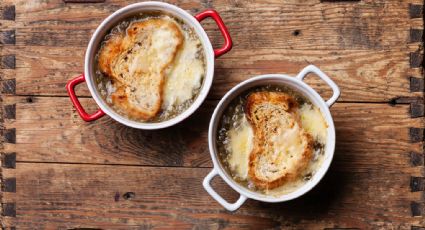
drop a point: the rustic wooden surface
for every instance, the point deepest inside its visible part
(60, 172)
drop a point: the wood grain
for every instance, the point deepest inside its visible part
(49, 130)
(362, 46)
(260, 24)
(93, 196)
(376, 76)
(58, 172)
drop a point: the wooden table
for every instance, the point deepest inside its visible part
(60, 172)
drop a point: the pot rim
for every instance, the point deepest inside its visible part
(260, 80)
(126, 11)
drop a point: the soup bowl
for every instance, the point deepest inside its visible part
(298, 85)
(119, 16)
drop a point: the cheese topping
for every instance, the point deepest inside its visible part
(185, 75)
(240, 146)
(287, 142)
(313, 122)
(287, 146)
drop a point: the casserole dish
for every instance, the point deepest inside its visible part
(296, 84)
(122, 14)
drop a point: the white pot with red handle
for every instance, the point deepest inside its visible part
(124, 13)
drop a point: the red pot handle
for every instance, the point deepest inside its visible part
(227, 39)
(70, 87)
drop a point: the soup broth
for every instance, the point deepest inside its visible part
(235, 140)
(183, 78)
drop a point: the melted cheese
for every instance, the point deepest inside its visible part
(283, 142)
(313, 122)
(288, 147)
(240, 146)
(153, 58)
(283, 147)
(292, 186)
(185, 76)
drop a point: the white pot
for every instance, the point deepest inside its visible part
(122, 14)
(298, 85)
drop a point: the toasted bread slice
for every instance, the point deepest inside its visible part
(282, 149)
(136, 62)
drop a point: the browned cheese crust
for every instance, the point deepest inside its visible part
(136, 60)
(269, 114)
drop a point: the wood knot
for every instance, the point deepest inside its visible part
(129, 195)
(296, 32)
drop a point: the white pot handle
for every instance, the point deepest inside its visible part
(218, 198)
(324, 77)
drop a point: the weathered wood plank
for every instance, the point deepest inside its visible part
(259, 24)
(49, 130)
(376, 76)
(361, 75)
(57, 196)
(363, 45)
(368, 60)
